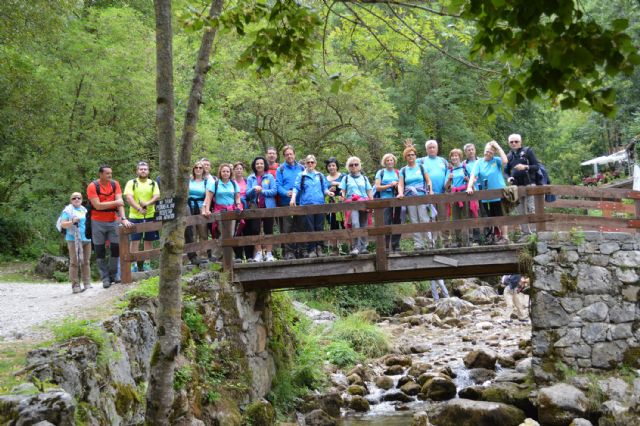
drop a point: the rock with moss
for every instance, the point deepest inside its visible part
(357, 390)
(359, 403)
(259, 413)
(559, 404)
(384, 382)
(464, 412)
(394, 359)
(56, 407)
(439, 388)
(481, 358)
(481, 375)
(511, 394)
(319, 418)
(411, 388)
(420, 419)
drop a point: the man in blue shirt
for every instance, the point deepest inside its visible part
(438, 170)
(285, 180)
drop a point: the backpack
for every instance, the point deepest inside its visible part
(346, 181)
(542, 178)
(59, 227)
(90, 208)
(404, 176)
(377, 194)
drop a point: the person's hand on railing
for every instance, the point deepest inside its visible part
(330, 193)
(400, 195)
(470, 190)
(205, 211)
(292, 203)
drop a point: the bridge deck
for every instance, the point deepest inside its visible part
(406, 266)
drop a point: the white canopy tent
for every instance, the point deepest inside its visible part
(606, 159)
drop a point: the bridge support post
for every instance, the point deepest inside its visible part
(227, 252)
(538, 201)
(382, 261)
(125, 256)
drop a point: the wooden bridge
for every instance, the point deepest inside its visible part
(576, 207)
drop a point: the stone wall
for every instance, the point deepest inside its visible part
(584, 304)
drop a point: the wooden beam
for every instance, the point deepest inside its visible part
(125, 262)
(382, 263)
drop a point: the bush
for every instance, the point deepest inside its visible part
(341, 353)
(363, 336)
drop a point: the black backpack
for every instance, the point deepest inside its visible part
(89, 207)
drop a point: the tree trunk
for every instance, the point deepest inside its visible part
(174, 181)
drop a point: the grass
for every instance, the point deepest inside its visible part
(19, 272)
(363, 336)
(12, 359)
(71, 327)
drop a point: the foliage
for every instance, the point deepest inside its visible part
(182, 377)
(342, 354)
(193, 319)
(362, 335)
(71, 328)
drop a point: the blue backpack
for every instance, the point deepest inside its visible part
(542, 178)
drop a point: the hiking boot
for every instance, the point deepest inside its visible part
(312, 254)
(319, 252)
(364, 251)
(269, 257)
(289, 256)
(305, 254)
(258, 257)
(87, 286)
(146, 266)
(354, 252)
(134, 267)
(106, 283)
(237, 260)
(75, 288)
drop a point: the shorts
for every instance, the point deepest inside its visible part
(148, 236)
(103, 231)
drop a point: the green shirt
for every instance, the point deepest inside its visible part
(142, 191)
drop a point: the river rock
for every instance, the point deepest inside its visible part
(403, 381)
(481, 375)
(420, 419)
(357, 390)
(394, 359)
(464, 412)
(316, 316)
(420, 348)
(561, 403)
(616, 389)
(354, 379)
(56, 407)
(471, 392)
(460, 287)
(411, 388)
(406, 304)
(329, 403)
(48, 264)
(511, 376)
(396, 396)
(524, 366)
(439, 389)
(359, 403)
(384, 382)
(447, 371)
(580, 422)
(419, 368)
(511, 394)
(394, 370)
(453, 307)
(481, 358)
(482, 295)
(364, 372)
(319, 418)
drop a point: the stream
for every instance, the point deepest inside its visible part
(442, 341)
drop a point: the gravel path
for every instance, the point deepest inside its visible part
(27, 308)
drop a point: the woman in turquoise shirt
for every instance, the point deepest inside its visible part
(74, 219)
(356, 187)
(386, 182)
(489, 172)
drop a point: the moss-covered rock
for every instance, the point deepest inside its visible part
(463, 412)
(359, 403)
(259, 413)
(126, 398)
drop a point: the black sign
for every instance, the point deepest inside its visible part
(165, 209)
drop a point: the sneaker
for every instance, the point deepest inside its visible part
(237, 260)
(134, 267)
(319, 252)
(354, 252)
(146, 266)
(312, 254)
(305, 254)
(289, 256)
(258, 257)
(364, 251)
(106, 283)
(269, 257)
(75, 288)
(87, 286)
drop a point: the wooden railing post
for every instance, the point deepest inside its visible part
(227, 251)
(125, 256)
(538, 201)
(382, 262)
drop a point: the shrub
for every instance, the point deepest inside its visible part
(363, 336)
(341, 353)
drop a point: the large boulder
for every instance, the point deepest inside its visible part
(359, 403)
(464, 412)
(460, 287)
(394, 359)
(56, 407)
(559, 404)
(384, 382)
(439, 388)
(319, 418)
(481, 375)
(483, 295)
(511, 394)
(453, 307)
(481, 358)
(316, 316)
(260, 413)
(48, 264)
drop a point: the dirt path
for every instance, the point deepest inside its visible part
(27, 309)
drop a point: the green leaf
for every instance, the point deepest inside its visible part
(494, 87)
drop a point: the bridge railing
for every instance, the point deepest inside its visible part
(573, 209)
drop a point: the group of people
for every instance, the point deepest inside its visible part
(293, 183)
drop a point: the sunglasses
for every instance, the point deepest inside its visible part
(198, 167)
(354, 165)
(514, 141)
(76, 198)
(311, 162)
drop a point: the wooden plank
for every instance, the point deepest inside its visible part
(227, 251)
(382, 263)
(592, 221)
(445, 260)
(591, 204)
(125, 263)
(584, 192)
